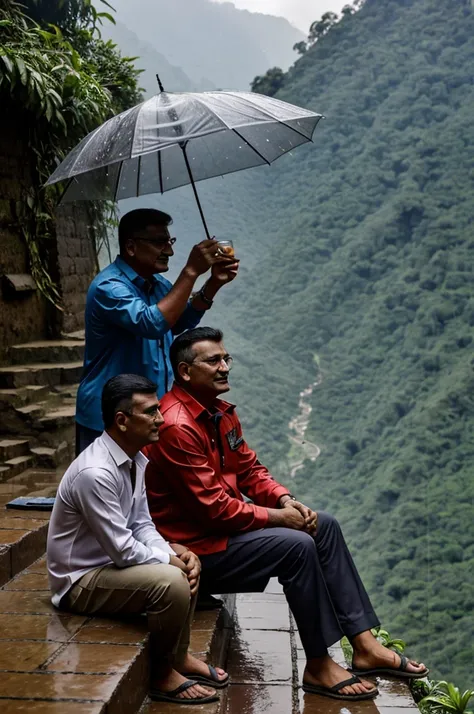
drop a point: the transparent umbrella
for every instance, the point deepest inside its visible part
(174, 139)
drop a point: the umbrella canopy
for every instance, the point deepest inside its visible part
(174, 139)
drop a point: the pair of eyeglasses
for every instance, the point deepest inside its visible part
(159, 243)
(151, 412)
(216, 361)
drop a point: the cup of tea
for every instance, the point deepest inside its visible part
(226, 247)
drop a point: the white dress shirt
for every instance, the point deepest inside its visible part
(97, 520)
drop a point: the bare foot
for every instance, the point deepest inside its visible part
(197, 666)
(325, 672)
(372, 654)
(174, 679)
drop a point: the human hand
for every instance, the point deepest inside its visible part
(193, 569)
(202, 256)
(310, 516)
(223, 273)
(178, 563)
(286, 518)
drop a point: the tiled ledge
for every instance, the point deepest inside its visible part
(54, 662)
(22, 541)
(23, 533)
(266, 663)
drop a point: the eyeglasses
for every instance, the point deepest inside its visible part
(158, 243)
(216, 361)
(151, 412)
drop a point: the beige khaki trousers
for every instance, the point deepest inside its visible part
(161, 591)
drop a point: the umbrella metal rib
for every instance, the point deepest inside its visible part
(248, 130)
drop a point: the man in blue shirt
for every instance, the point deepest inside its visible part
(133, 312)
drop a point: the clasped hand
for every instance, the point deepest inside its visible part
(190, 564)
(310, 517)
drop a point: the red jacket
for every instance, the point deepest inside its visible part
(197, 472)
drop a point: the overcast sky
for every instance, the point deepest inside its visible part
(299, 12)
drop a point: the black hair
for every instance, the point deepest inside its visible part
(138, 220)
(182, 348)
(117, 394)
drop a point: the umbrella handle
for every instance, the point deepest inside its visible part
(196, 196)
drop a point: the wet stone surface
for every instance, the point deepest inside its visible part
(266, 663)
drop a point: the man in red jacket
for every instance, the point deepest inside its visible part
(198, 471)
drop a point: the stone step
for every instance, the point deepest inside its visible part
(19, 464)
(50, 351)
(22, 396)
(32, 412)
(10, 448)
(78, 335)
(22, 533)
(50, 457)
(43, 373)
(58, 418)
(88, 665)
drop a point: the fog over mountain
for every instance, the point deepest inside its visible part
(216, 45)
(300, 13)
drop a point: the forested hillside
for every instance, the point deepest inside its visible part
(357, 256)
(372, 272)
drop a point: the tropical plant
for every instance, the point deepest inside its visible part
(384, 637)
(445, 698)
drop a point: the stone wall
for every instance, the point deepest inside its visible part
(77, 262)
(29, 316)
(26, 316)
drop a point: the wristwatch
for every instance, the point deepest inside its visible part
(204, 297)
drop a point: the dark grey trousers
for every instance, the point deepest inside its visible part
(319, 578)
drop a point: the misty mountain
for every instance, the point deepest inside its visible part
(149, 60)
(216, 45)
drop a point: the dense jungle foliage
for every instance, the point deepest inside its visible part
(371, 274)
(61, 80)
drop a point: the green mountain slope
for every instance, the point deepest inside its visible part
(374, 275)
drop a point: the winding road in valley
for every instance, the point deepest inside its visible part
(298, 426)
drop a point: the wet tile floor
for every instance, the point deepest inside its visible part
(266, 663)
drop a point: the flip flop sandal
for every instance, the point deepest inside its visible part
(158, 696)
(212, 680)
(333, 692)
(400, 671)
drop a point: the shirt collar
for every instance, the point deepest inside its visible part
(195, 408)
(131, 274)
(119, 455)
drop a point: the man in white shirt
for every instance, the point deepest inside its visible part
(105, 555)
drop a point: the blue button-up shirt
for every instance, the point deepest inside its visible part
(125, 333)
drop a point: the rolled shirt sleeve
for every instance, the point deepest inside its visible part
(116, 303)
(188, 320)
